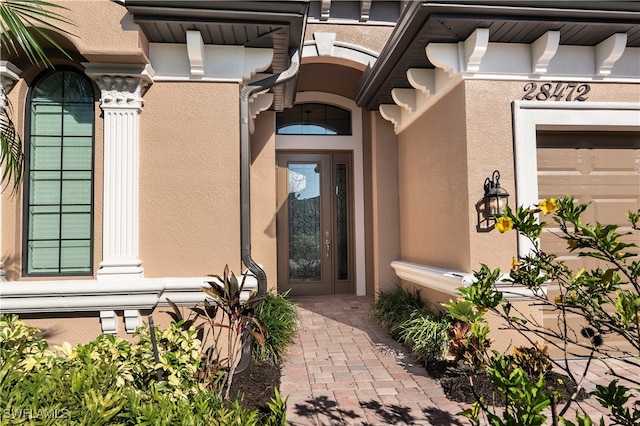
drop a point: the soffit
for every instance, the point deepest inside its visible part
(261, 24)
(508, 22)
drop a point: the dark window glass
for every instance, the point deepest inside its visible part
(314, 119)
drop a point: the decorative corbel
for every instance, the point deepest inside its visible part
(259, 102)
(132, 320)
(195, 51)
(391, 113)
(608, 52)
(325, 10)
(405, 98)
(543, 50)
(422, 79)
(9, 74)
(365, 8)
(444, 56)
(109, 322)
(474, 49)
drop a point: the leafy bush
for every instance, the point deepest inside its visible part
(112, 381)
(425, 333)
(606, 298)
(277, 314)
(393, 308)
(403, 315)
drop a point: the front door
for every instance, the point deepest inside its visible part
(314, 223)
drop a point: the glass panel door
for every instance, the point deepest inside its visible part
(314, 223)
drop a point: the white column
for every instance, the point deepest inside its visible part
(9, 75)
(121, 103)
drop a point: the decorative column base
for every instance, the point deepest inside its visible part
(114, 271)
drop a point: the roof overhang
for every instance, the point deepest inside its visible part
(278, 25)
(425, 22)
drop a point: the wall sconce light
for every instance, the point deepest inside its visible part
(495, 197)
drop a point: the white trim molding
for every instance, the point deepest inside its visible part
(351, 143)
(107, 297)
(531, 116)
(325, 44)
(477, 58)
(448, 282)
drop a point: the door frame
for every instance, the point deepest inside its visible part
(351, 143)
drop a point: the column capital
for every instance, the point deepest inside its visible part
(9, 75)
(122, 85)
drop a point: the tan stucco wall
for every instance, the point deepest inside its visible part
(385, 214)
(432, 169)
(103, 31)
(190, 179)
(328, 77)
(263, 196)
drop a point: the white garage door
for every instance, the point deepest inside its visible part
(600, 168)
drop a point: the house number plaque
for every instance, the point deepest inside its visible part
(567, 91)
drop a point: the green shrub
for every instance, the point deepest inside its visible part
(278, 316)
(425, 333)
(112, 381)
(393, 308)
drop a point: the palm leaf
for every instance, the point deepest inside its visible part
(12, 158)
(22, 20)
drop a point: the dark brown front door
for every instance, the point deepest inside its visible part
(314, 223)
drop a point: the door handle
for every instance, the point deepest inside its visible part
(328, 245)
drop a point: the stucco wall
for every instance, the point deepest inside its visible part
(385, 214)
(432, 169)
(263, 196)
(189, 179)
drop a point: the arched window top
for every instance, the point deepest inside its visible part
(314, 119)
(58, 86)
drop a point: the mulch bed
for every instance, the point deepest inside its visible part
(256, 386)
(456, 378)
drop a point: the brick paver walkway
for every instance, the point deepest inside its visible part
(345, 370)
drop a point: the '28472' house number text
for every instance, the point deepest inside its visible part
(561, 91)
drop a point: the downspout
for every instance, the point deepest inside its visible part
(245, 165)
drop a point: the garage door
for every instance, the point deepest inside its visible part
(601, 168)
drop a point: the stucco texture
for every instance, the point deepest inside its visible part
(189, 179)
(432, 170)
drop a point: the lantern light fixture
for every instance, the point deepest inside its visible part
(496, 198)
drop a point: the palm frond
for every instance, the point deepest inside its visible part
(12, 158)
(22, 20)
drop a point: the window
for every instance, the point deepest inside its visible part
(58, 209)
(314, 119)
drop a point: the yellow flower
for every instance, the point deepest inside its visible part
(548, 205)
(515, 263)
(504, 224)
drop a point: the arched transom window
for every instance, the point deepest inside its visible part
(58, 213)
(314, 119)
